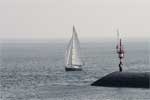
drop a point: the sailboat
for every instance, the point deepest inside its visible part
(73, 61)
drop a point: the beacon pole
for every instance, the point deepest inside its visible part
(120, 52)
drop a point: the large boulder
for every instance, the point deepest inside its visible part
(125, 79)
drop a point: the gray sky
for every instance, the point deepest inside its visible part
(92, 18)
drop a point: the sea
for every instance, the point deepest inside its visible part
(34, 70)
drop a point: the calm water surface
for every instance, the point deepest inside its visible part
(35, 71)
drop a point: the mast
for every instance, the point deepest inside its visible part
(120, 52)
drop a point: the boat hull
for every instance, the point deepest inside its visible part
(73, 69)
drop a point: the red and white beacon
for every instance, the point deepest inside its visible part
(120, 52)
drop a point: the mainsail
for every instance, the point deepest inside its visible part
(73, 55)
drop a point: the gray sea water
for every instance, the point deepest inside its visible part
(35, 71)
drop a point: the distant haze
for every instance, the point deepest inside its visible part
(92, 18)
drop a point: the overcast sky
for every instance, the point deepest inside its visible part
(92, 18)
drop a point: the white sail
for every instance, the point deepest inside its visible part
(73, 55)
(68, 56)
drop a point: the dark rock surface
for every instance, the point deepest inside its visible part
(125, 79)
